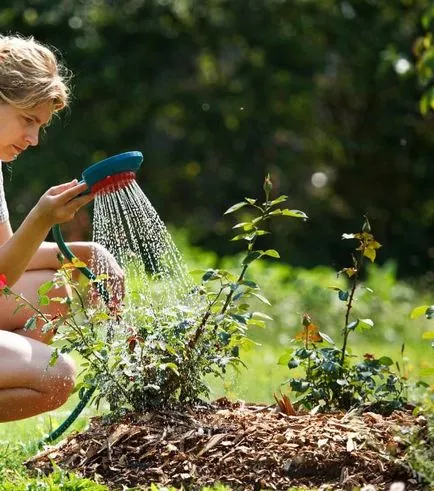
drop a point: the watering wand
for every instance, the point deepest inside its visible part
(104, 177)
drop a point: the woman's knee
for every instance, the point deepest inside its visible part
(61, 381)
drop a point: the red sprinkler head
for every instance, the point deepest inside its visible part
(110, 184)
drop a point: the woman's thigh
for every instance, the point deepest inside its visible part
(27, 285)
(24, 363)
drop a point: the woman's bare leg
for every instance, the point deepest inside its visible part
(28, 286)
(28, 385)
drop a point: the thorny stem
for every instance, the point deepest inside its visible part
(29, 304)
(229, 296)
(95, 354)
(201, 327)
(358, 266)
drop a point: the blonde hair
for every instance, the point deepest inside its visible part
(31, 74)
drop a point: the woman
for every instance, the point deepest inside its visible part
(33, 87)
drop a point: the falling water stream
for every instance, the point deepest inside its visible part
(157, 279)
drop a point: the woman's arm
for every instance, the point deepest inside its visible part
(59, 204)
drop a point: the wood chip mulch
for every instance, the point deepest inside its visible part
(244, 446)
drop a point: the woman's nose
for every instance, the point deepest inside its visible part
(32, 137)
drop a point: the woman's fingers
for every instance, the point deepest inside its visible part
(74, 191)
(56, 190)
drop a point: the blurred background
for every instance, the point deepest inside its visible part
(322, 94)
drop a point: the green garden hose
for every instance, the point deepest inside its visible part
(106, 176)
(66, 251)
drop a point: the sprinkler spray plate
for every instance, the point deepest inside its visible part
(113, 173)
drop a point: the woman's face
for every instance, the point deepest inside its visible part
(19, 128)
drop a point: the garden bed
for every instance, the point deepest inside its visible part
(244, 446)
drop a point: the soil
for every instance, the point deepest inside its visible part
(247, 447)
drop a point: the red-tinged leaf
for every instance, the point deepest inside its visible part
(309, 334)
(285, 405)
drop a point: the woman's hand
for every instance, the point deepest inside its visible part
(104, 262)
(60, 203)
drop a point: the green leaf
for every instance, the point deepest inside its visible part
(261, 315)
(210, 275)
(261, 298)
(257, 323)
(385, 360)
(250, 284)
(171, 366)
(30, 323)
(343, 295)
(54, 357)
(418, 311)
(342, 382)
(352, 325)
(366, 323)
(428, 335)
(250, 201)
(235, 207)
(427, 17)
(244, 225)
(278, 200)
(44, 300)
(326, 337)
(271, 253)
(294, 214)
(293, 363)
(245, 236)
(285, 357)
(45, 288)
(248, 344)
(251, 256)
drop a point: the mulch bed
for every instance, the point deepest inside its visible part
(248, 447)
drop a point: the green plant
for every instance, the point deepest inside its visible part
(428, 312)
(331, 381)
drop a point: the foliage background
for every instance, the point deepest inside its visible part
(216, 93)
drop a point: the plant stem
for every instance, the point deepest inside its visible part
(358, 265)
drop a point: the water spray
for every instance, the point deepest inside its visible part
(107, 176)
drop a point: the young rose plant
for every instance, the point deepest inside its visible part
(140, 358)
(332, 379)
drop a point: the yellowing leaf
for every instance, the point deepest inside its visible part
(418, 311)
(370, 254)
(78, 263)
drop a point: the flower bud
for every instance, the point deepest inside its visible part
(366, 227)
(268, 185)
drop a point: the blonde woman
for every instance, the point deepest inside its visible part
(33, 87)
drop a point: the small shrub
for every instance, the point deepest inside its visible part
(139, 358)
(332, 379)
